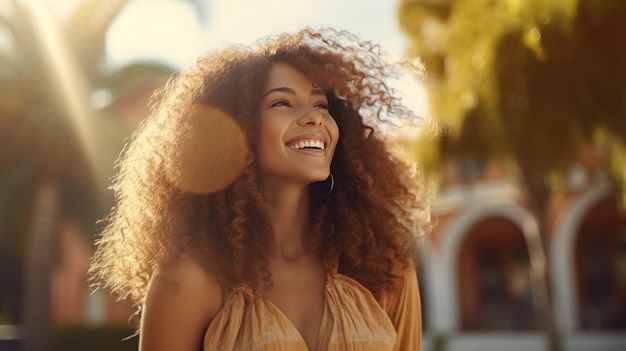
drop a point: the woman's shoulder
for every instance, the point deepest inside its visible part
(188, 276)
(186, 285)
(182, 300)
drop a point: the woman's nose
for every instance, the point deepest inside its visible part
(311, 117)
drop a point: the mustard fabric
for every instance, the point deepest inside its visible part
(352, 320)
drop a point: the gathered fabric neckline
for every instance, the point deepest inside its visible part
(351, 316)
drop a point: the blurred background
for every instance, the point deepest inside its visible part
(527, 158)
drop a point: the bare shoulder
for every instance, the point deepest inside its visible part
(185, 276)
(180, 303)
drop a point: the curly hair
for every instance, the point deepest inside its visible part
(366, 228)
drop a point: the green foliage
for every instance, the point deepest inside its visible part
(36, 131)
(523, 80)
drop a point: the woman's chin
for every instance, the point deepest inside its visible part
(319, 177)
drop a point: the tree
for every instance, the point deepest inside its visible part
(56, 150)
(527, 82)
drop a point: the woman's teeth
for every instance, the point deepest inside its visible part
(315, 144)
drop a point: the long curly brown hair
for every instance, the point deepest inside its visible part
(366, 228)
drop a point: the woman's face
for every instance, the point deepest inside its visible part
(297, 134)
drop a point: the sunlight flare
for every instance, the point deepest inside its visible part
(72, 89)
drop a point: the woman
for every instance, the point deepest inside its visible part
(311, 246)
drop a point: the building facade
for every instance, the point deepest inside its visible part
(477, 275)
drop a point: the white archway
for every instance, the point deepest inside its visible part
(430, 290)
(444, 282)
(562, 255)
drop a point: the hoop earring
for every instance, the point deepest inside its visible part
(332, 185)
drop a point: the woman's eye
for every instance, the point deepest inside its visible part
(323, 106)
(280, 103)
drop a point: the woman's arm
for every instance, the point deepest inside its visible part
(180, 304)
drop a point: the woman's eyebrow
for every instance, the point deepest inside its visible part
(292, 92)
(280, 89)
(318, 92)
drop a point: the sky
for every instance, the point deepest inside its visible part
(170, 30)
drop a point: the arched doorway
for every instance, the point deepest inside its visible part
(600, 259)
(493, 278)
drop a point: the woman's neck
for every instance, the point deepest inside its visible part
(289, 215)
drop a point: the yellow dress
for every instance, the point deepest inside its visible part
(352, 320)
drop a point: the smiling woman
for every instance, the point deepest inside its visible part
(311, 244)
(297, 134)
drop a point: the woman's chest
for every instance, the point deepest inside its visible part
(298, 292)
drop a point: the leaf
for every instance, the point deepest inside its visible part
(86, 30)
